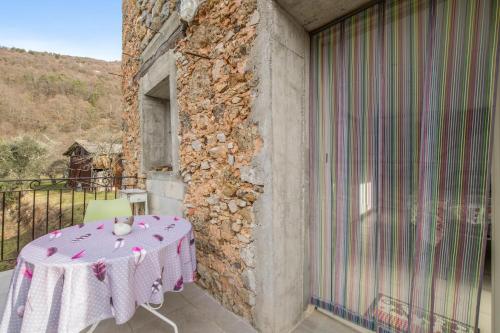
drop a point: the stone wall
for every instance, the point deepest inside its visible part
(215, 90)
(141, 19)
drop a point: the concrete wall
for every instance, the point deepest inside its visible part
(313, 14)
(156, 133)
(164, 68)
(165, 193)
(495, 203)
(159, 133)
(280, 56)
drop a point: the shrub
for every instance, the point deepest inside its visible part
(21, 157)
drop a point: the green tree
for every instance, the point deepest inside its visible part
(21, 157)
(57, 168)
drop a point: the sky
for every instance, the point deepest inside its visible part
(87, 28)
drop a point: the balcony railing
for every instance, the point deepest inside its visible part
(31, 208)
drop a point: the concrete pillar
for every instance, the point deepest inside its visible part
(280, 55)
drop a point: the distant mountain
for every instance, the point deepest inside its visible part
(56, 99)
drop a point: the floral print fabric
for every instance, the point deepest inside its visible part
(74, 277)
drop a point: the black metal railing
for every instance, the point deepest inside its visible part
(31, 208)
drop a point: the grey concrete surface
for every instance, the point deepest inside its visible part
(280, 57)
(165, 189)
(166, 30)
(4, 288)
(156, 132)
(195, 311)
(317, 322)
(495, 259)
(165, 193)
(192, 310)
(485, 308)
(313, 14)
(162, 71)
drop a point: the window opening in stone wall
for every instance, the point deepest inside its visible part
(157, 128)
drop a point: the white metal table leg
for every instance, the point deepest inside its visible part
(162, 317)
(93, 327)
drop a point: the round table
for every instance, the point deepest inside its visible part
(75, 277)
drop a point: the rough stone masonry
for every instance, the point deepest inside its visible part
(215, 89)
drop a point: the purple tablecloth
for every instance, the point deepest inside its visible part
(72, 278)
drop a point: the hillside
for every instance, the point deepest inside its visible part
(56, 99)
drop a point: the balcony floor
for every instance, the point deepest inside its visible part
(192, 310)
(195, 311)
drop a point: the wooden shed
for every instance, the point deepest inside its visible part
(94, 164)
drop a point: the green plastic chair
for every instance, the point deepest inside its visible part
(98, 210)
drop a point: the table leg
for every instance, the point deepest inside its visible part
(162, 317)
(93, 327)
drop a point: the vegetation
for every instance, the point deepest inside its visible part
(65, 207)
(47, 101)
(21, 158)
(55, 99)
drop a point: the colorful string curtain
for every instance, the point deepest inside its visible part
(402, 101)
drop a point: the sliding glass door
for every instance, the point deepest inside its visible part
(402, 107)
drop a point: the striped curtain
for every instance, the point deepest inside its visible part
(402, 100)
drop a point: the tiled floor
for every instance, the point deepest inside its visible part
(4, 288)
(195, 311)
(318, 322)
(192, 310)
